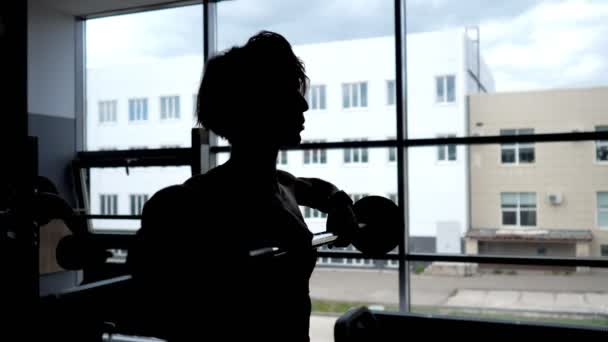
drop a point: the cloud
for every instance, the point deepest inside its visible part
(528, 44)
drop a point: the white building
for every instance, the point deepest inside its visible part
(351, 97)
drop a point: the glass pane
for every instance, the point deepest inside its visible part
(509, 218)
(528, 218)
(322, 97)
(507, 155)
(127, 191)
(441, 152)
(345, 96)
(143, 56)
(526, 154)
(527, 199)
(602, 152)
(602, 200)
(452, 152)
(508, 199)
(364, 94)
(354, 91)
(559, 295)
(451, 89)
(439, 89)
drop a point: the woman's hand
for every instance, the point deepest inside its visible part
(341, 219)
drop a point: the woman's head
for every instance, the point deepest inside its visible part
(255, 91)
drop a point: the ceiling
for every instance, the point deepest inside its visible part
(96, 7)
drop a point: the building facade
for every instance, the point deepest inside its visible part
(545, 199)
(351, 98)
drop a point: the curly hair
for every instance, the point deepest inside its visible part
(242, 80)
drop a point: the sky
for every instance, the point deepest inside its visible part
(528, 44)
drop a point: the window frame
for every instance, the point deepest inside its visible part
(404, 257)
(599, 144)
(518, 210)
(170, 102)
(145, 110)
(599, 210)
(516, 147)
(358, 85)
(444, 98)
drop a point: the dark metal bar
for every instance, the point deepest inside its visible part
(479, 259)
(402, 159)
(134, 158)
(141, 8)
(480, 140)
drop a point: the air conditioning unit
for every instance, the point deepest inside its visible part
(554, 198)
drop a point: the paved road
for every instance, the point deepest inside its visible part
(376, 286)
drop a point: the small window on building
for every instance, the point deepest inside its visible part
(315, 156)
(107, 111)
(282, 158)
(356, 155)
(601, 146)
(446, 152)
(316, 97)
(108, 204)
(445, 89)
(602, 209)
(169, 107)
(542, 251)
(392, 152)
(518, 209)
(313, 213)
(354, 95)
(604, 250)
(517, 153)
(138, 109)
(137, 202)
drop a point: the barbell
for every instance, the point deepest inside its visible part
(376, 234)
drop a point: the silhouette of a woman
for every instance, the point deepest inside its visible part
(196, 237)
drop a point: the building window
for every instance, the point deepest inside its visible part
(137, 203)
(541, 251)
(602, 209)
(169, 107)
(518, 208)
(315, 156)
(446, 152)
(354, 95)
(313, 213)
(604, 250)
(138, 109)
(601, 146)
(391, 92)
(107, 111)
(316, 97)
(108, 204)
(282, 158)
(445, 89)
(355, 155)
(517, 153)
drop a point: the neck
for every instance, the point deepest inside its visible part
(256, 162)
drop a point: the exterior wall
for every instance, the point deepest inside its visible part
(527, 249)
(568, 168)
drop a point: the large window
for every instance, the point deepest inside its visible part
(601, 146)
(354, 95)
(602, 209)
(517, 153)
(518, 209)
(445, 89)
(169, 107)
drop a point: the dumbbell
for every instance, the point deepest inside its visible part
(377, 234)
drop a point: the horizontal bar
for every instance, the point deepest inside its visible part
(134, 158)
(472, 140)
(480, 259)
(139, 9)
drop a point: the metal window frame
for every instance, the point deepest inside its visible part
(183, 156)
